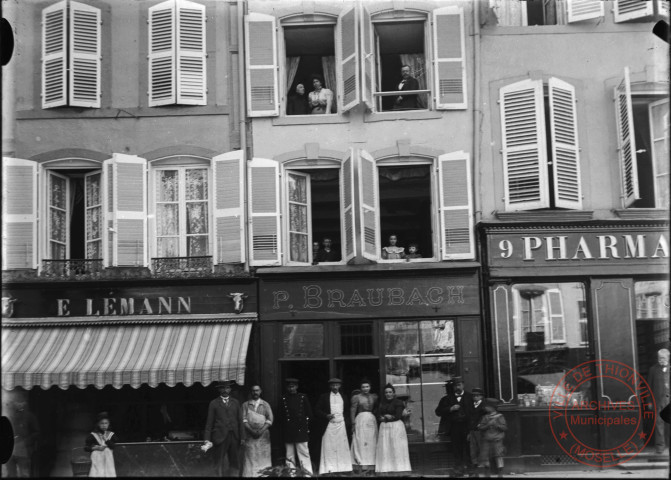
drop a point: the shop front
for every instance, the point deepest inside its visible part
(146, 353)
(411, 326)
(561, 296)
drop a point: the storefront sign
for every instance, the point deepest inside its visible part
(127, 301)
(559, 248)
(432, 296)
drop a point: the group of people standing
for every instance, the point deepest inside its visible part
(317, 102)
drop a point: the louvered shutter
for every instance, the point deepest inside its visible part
(191, 54)
(84, 59)
(162, 84)
(631, 9)
(368, 194)
(663, 8)
(456, 206)
(579, 10)
(626, 140)
(54, 45)
(264, 201)
(128, 199)
(348, 60)
(347, 208)
(262, 66)
(228, 198)
(449, 65)
(19, 213)
(565, 151)
(556, 311)
(524, 148)
(367, 58)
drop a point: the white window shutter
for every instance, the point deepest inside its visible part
(54, 48)
(191, 54)
(162, 84)
(19, 213)
(347, 208)
(348, 60)
(626, 140)
(579, 10)
(369, 211)
(524, 147)
(367, 58)
(565, 150)
(84, 58)
(264, 201)
(663, 8)
(457, 238)
(262, 65)
(449, 58)
(556, 310)
(631, 9)
(228, 207)
(128, 198)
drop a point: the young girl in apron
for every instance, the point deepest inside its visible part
(100, 442)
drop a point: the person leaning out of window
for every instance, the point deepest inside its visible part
(321, 98)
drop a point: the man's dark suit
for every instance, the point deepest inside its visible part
(223, 427)
(323, 410)
(455, 424)
(658, 380)
(408, 102)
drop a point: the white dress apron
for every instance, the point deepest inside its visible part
(257, 450)
(335, 454)
(364, 441)
(102, 462)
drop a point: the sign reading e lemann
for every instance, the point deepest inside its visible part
(577, 247)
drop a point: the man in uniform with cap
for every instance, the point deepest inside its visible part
(335, 454)
(223, 429)
(453, 410)
(295, 414)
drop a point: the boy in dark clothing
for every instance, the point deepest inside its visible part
(493, 428)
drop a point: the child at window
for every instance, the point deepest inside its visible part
(392, 251)
(493, 427)
(413, 252)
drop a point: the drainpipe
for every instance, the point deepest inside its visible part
(243, 116)
(477, 113)
(9, 13)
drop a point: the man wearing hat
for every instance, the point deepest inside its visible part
(453, 410)
(335, 454)
(295, 413)
(475, 414)
(223, 429)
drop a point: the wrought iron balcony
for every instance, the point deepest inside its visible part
(72, 268)
(180, 267)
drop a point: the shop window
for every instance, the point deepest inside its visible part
(303, 340)
(545, 12)
(313, 202)
(419, 357)
(643, 145)
(540, 145)
(419, 203)
(356, 339)
(71, 33)
(652, 321)
(177, 54)
(551, 338)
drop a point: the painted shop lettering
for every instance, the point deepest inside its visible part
(128, 306)
(315, 297)
(599, 247)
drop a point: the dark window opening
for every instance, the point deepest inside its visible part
(541, 12)
(310, 51)
(400, 44)
(548, 146)
(644, 156)
(356, 339)
(325, 191)
(405, 207)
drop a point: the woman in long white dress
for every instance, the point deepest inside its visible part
(392, 442)
(364, 427)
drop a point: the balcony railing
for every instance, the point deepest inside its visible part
(72, 268)
(182, 266)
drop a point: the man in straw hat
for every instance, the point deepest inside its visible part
(335, 454)
(223, 429)
(294, 414)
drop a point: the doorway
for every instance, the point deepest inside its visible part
(351, 371)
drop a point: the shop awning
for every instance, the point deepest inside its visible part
(124, 355)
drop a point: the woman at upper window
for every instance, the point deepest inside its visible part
(321, 98)
(298, 102)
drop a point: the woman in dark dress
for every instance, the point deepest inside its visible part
(392, 442)
(297, 104)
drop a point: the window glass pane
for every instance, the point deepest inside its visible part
(438, 336)
(432, 393)
(299, 247)
(403, 369)
(551, 337)
(94, 249)
(356, 339)
(167, 185)
(196, 218)
(652, 299)
(196, 184)
(167, 220)
(57, 251)
(298, 218)
(93, 190)
(411, 395)
(298, 191)
(197, 246)
(168, 247)
(401, 338)
(58, 226)
(57, 191)
(652, 321)
(303, 340)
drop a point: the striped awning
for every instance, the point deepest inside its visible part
(124, 355)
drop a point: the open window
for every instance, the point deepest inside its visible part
(643, 143)
(316, 203)
(545, 12)
(632, 10)
(540, 145)
(424, 202)
(407, 65)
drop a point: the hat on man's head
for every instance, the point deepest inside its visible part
(291, 380)
(334, 380)
(224, 383)
(103, 416)
(477, 391)
(456, 380)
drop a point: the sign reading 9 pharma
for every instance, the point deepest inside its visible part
(621, 424)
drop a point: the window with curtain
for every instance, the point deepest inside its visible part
(182, 212)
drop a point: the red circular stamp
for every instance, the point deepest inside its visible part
(606, 432)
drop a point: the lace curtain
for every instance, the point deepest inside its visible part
(292, 68)
(328, 65)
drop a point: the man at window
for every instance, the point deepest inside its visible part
(408, 82)
(326, 253)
